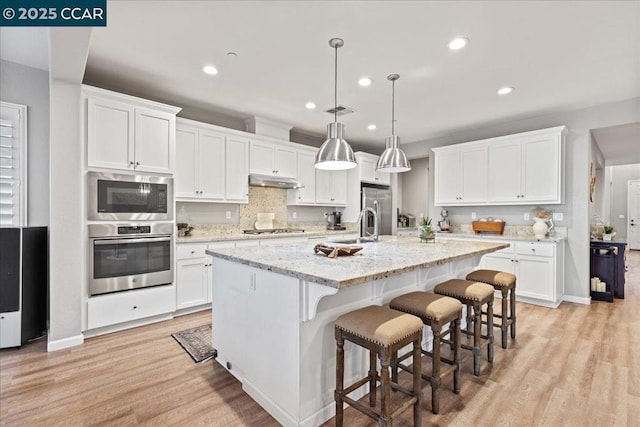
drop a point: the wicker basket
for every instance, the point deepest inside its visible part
(494, 227)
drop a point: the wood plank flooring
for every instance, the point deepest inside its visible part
(575, 365)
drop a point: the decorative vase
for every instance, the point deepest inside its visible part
(606, 237)
(540, 228)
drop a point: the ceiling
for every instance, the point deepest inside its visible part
(559, 56)
(620, 145)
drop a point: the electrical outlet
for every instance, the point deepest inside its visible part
(228, 215)
(294, 215)
(421, 215)
(558, 216)
(621, 216)
(474, 216)
(526, 216)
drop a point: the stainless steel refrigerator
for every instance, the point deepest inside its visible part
(383, 198)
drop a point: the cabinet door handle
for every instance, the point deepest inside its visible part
(137, 163)
(193, 252)
(135, 307)
(131, 162)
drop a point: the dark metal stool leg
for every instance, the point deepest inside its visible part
(490, 331)
(435, 368)
(512, 308)
(477, 325)
(339, 379)
(456, 355)
(505, 318)
(417, 381)
(373, 373)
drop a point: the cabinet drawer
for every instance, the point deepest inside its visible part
(535, 248)
(125, 306)
(191, 251)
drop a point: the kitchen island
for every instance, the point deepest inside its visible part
(274, 308)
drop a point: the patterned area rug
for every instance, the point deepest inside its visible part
(197, 342)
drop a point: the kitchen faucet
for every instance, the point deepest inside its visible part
(374, 211)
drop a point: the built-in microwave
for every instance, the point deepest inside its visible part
(122, 197)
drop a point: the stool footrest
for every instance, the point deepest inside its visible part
(356, 385)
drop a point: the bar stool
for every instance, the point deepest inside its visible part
(383, 332)
(473, 294)
(506, 284)
(435, 311)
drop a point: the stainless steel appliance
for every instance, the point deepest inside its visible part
(118, 197)
(334, 221)
(129, 256)
(377, 198)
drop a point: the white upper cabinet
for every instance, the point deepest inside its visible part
(367, 169)
(200, 164)
(527, 169)
(128, 133)
(331, 187)
(305, 174)
(461, 176)
(524, 168)
(211, 166)
(237, 161)
(272, 159)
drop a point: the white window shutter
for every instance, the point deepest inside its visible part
(13, 165)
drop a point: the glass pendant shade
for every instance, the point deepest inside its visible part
(393, 158)
(335, 153)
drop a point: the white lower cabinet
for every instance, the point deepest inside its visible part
(539, 269)
(120, 307)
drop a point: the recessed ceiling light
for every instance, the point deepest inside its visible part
(458, 43)
(365, 81)
(210, 69)
(372, 127)
(505, 90)
(310, 105)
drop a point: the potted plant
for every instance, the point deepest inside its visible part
(608, 232)
(426, 229)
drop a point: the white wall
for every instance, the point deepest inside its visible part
(68, 49)
(415, 189)
(30, 86)
(620, 175)
(577, 159)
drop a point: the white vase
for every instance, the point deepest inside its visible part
(540, 228)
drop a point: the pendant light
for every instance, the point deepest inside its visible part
(335, 153)
(393, 158)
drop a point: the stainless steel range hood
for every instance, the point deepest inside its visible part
(256, 180)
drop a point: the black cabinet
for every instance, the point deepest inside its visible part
(608, 264)
(23, 284)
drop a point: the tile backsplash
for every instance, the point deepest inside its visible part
(261, 199)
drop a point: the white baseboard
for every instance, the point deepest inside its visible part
(577, 300)
(191, 310)
(53, 345)
(269, 405)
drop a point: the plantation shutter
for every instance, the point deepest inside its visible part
(12, 165)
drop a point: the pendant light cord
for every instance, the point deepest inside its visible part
(393, 107)
(335, 79)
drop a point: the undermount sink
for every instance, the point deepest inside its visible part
(357, 241)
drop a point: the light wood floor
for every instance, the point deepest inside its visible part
(575, 365)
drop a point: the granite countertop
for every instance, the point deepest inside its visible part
(518, 237)
(390, 256)
(217, 237)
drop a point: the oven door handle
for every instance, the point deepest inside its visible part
(99, 242)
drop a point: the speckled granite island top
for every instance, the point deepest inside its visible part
(390, 256)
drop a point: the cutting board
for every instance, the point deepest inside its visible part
(265, 221)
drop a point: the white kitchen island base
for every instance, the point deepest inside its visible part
(274, 332)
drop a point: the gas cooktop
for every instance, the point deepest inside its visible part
(274, 231)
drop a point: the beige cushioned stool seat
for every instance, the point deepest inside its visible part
(474, 291)
(426, 304)
(380, 325)
(498, 279)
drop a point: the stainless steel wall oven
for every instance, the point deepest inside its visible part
(129, 256)
(118, 197)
